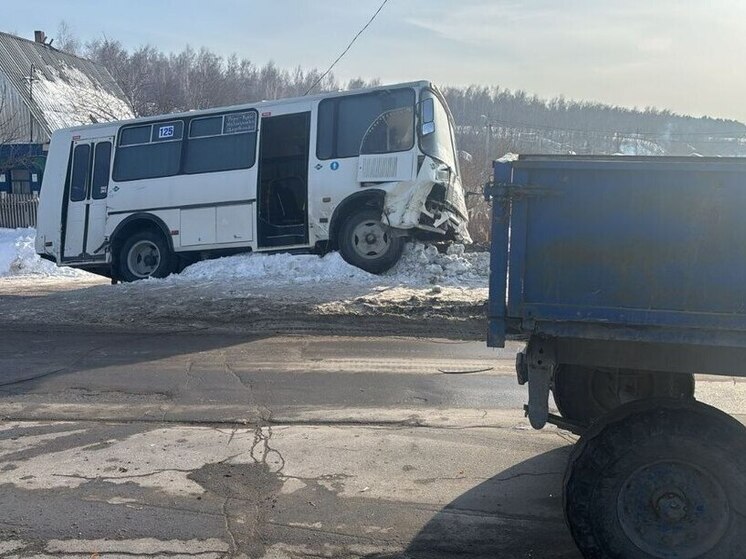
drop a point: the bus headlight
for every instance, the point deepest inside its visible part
(443, 175)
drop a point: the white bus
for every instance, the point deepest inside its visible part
(353, 171)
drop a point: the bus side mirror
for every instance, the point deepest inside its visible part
(427, 117)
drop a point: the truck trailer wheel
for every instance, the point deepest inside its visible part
(583, 394)
(364, 241)
(145, 254)
(656, 479)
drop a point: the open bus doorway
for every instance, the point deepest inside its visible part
(282, 189)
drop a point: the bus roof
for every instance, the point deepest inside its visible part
(255, 105)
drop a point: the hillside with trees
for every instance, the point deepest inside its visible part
(491, 121)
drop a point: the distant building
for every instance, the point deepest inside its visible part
(43, 89)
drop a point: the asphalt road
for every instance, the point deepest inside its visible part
(205, 443)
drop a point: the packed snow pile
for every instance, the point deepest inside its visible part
(18, 256)
(425, 264)
(276, 268)
(420, 265)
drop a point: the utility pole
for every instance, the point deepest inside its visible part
(31, 104)
(487, 137)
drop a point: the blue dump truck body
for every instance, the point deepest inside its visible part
(625, 248)
(626, 276)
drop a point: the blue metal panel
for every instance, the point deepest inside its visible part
(647, 243)
(498, 193)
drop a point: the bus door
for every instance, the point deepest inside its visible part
(84, 208)
(282, 188)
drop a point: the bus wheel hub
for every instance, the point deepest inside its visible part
(370, 239)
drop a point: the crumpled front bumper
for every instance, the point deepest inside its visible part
(429, 206)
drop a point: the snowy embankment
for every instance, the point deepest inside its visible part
(427, 293)
(18, 257)
(420, 265)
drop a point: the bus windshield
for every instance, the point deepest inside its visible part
(435, 131)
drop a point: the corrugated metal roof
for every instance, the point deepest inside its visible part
(66, 91)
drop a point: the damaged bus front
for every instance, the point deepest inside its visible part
(407, 173)
(434, 201)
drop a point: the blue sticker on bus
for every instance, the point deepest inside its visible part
(334, 165)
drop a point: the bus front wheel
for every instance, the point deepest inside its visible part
(145, 254)
(366, 242)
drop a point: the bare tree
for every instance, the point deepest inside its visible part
(66, 39)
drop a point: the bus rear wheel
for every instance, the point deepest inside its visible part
(366, 242)
(145, 254)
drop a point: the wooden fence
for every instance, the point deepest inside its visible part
(18, 210)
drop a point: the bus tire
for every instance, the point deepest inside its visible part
(656, 479)
(145, 254)
(366, 242)
(583, 394)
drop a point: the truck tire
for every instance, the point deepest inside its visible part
(656, 479)
(145, 254)
(364, 241)
(583, 394)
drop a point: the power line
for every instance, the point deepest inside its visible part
(318, 81)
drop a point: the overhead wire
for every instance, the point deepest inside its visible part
(349, 46)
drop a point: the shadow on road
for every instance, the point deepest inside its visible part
(515, 514)
(31, 355)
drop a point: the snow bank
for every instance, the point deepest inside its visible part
(420, 265)
(424, 264)
(18, 256)
(277, 268)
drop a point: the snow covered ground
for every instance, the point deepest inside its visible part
(18, 257)
(256, 292)
(421, 265)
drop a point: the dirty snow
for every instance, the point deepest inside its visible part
(18, 256)
(420, 265)
(428, 293)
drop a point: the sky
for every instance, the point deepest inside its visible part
(683, 55)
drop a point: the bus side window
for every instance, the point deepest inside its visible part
(79, 176)
(149, 151)
(221, 142)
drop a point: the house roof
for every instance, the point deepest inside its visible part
(66, 90)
